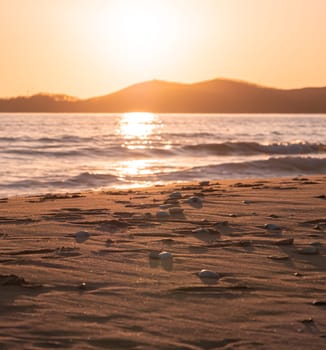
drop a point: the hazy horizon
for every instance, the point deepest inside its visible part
(58, 93)
(87, 49)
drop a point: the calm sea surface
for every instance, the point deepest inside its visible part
(40, 153)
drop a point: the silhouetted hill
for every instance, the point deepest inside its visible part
(214, 96)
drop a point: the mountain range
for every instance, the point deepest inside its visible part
(213, 96)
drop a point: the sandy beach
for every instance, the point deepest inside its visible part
(84, 270)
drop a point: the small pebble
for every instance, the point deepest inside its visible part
(272, 227)
(82, 236)
(208, 274)
(195, 201)
(245, 202)
(204, 183)
(165, 255)
(297, 274)
(82, 286)
(175, 195)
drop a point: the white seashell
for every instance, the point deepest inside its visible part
(162, 214)
(208, 274)
(165, 255)
(175, 195)
(82, 236)
(175, 211)
(272, 227)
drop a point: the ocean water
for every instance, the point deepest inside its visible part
(41, 153)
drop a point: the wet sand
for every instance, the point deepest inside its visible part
(108, 288)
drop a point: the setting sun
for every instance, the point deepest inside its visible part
(142, 33)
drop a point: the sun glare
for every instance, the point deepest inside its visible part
(142, 33)
(136, 128)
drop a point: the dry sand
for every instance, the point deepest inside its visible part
(107, 293)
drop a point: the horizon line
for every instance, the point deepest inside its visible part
(235, 80)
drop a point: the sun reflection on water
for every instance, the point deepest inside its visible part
(138, 126)
(139, 130)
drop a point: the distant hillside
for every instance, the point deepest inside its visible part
(214, 96)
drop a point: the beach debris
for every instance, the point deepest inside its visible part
(175, 211)
(272, 227)
(82, 236)
(208, 274)
(311, 250)
(175, 195)
(161, 214)
(285, 241)
(195, 202)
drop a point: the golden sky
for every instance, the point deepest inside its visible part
(87, 48)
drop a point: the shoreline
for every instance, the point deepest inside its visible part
(158, 184)
(109, 288)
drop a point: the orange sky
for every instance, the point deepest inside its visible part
(87, 48)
